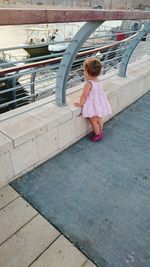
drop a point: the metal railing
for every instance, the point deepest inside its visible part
(27, 79)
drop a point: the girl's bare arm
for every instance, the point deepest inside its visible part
(83, 97)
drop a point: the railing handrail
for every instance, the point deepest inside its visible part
(38, 16)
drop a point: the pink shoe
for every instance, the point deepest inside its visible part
(98, 137)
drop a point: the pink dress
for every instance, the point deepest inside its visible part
(97, 103)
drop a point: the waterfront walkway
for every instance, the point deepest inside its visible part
(105, 187)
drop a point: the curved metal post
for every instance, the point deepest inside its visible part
(69, 56)
(130, 49)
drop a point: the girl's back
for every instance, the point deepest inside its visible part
(96, 103)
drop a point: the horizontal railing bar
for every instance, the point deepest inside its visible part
(112, 34)
(31, 65)
(77, 79)
(19, 74)
(38, 16)
(114, 51)
(34, 70)
(46, 90)
(110, 59)
(16, 100)
(110, 68)
(25, 85)
(72, 73)
(27, 60)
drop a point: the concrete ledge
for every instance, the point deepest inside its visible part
(41, 130)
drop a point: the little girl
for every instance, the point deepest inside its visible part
(93, 100)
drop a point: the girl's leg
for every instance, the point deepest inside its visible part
(95, 125)
(100, 122)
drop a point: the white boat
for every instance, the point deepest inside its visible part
(49, 38)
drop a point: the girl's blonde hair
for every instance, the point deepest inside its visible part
(93, 66)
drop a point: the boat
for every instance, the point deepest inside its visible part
(36, 46)
(37, 50)
(48, 39)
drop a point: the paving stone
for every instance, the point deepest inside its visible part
(13, 217)
(7, 195)
(89, 264)
(28, 243)
(61, 253)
